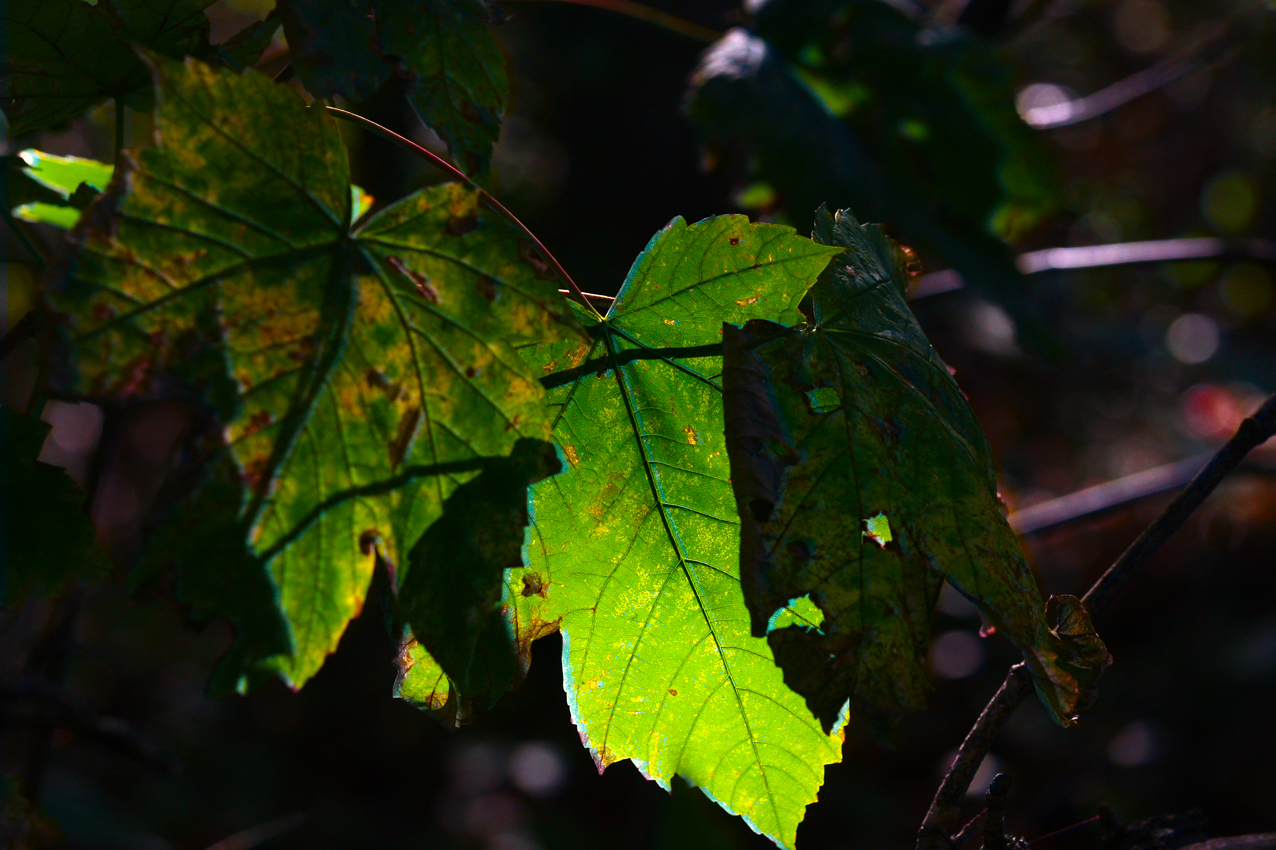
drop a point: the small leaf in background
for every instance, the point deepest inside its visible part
(76, 181)
(451, 594)
(847, 104)
(65, 56)
(863, 479)
(48, 538)
(443, 49)
(245, 48)
(73, 180)
(634, 550)
(352, 378)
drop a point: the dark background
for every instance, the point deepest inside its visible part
(597, 156)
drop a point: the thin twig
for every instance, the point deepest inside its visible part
(1134, 86)
(250, 838)
(19, 230)
(1152, 251)
(433, 158)
(22, 330)
(664, 20)
(937, 826)
(945, 808)
(119, 129)
(1115, 254)
(1106, 496)
(1253, 432)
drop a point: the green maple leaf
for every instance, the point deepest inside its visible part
(634, 549)
(863, 479)
(343, 380)
(453, 66)
(65, 56)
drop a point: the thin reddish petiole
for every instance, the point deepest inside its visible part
(430, 156)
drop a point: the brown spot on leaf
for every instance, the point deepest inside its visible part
(260, 419)
(409, 427)
(488, 288)
(735, 240)
(673, 692)
(368, 541)
(471, 372)
(531, 255)
(459, 225)
(424, 286)
(533, 585)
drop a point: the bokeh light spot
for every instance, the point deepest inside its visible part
(1192, 338)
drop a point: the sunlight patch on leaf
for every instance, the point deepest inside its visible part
(637, 540)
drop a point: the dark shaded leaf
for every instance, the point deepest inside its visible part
(863, 480)
(453, 66)
(65, 56)
(245, 48)
(48, 538)
(451, 595)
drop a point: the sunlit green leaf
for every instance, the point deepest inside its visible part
(863, 479)
(634, 550)
(354, 378)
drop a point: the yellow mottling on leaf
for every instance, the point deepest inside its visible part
(572, 457)
(745, 302)
(692, 437)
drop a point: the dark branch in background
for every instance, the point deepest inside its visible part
(22, 330)
(19, 230)
(250, 838)
(1116, 254)
(1251, 434)
(438, 161)
(1154, 251)
(664, 20)
(38, 704)
(1160, 75)
(937, 827)
(1106, 496)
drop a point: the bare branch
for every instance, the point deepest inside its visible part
(941, 820)
(250, 838)
(1105, 496)
(1253, 432)
(1115, 254)
(1160, 75)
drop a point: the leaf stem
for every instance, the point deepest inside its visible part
(438, 161)
(119, 129)
(19, 230)
(937, 826)
(664, 20)
(22, 330)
